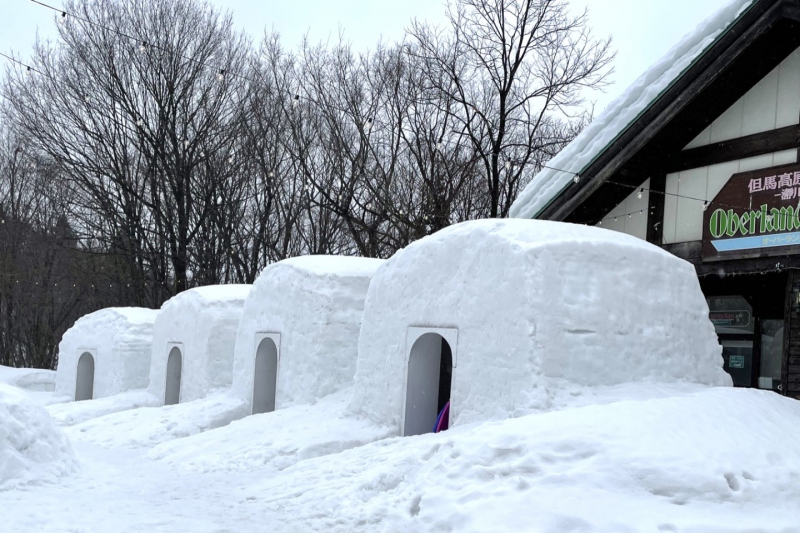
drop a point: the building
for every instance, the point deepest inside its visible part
(700, 156)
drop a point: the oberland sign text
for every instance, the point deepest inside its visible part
(755, 214)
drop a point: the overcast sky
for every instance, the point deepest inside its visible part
(642, 30)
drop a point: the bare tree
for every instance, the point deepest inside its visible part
(512, 66)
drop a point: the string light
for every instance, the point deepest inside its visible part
(639, 196)
(221, 75)
(296, 100)
(368, 125)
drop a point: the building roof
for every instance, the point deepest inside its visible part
(618, 117)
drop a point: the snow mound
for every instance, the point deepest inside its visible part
(202, 322)
(32, 448)
(119, 340)
(31, 379)
(273, 441)
(535, 304)
(716, 460)
(622, 112)
(315, 304)
(149, 426)
(69, 414)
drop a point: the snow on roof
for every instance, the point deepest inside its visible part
(221, 293)
(132, 315)
(325, 265)
(623, 111)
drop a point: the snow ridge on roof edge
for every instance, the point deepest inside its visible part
(624, 110)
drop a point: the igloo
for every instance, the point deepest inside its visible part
(496, 316)
(105, 353)
(298, 338)
(193, 342)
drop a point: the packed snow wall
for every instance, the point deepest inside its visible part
(519, 308)
(193, 342)
(298, 338)
(105, 353)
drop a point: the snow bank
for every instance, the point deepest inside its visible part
(149, 426)
(533, 305)
(623, 111)
(32, 448)
(717, 460)
(31, 379)
(202, 324)
(118, 340)
(71, 413)
(314, 304)
(273, 441)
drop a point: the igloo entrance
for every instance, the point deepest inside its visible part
(173, 387)
(429, 378)
(84, 384)
(265, 379)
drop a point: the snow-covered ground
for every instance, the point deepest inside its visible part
(627, 458)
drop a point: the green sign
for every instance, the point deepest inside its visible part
(755, 214)
(736, 361)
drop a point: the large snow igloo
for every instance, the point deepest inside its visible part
(298, 338)
(495, 315)
(193, 342)
(105, 353)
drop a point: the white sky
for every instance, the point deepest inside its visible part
(642, 30)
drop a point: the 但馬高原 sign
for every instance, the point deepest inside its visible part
(755, 214)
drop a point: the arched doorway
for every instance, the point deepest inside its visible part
(84, 383)
(266, 376)
(173, 388)
(430, 370)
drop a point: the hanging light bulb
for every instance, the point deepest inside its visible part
(576, 179)
(508, 165)
(296, 100)
(63, 18)
(139, 123)
(219, 200)
(221, 75)
(28, 71)
(368, 125)
(143, 46)
(639, 195)
(705, 205)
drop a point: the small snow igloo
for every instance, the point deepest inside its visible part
(193, 341)
(298, 338)
(105, 353)
(489, 318)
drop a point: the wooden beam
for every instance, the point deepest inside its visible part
(655, 209)
(749, 146)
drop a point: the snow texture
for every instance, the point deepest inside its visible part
(315, 304)
(30, 379)
(665, 458)
(622, 112)
(119, 339)
(273, 441)
(32, 448)
(71, 413)
(539, 306)
(203, 321)
(149, 426)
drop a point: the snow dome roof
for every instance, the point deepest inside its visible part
(203, 321)
(535, 304)
(573, 160)
(314, 303)
(119, 339)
